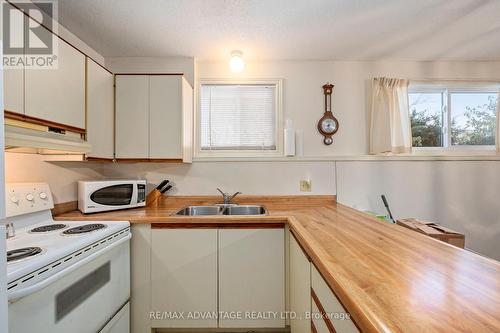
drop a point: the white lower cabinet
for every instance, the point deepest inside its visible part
(318, 324)
(237, 274)
(300, 288)
(183, 277)
(337, 316)
(252, 277)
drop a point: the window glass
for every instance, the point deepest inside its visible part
(453, 115)
(426, 110)
(473, 118)
(238, 117)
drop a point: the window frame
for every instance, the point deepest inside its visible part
(448, 89)
(221, 154)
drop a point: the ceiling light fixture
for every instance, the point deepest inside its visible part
(236, 62)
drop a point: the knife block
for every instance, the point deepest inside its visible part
(152, 198)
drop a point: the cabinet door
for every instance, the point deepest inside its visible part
(251, 277)
(58, 95)
(165, 116)
(300, 288)
(187, 121)
(100, 111)
(13, 84)
(338, 316)
(318, 323)
(184, 276)
(132, 116)
(13, 90)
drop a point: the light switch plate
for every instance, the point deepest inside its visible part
(305, 185)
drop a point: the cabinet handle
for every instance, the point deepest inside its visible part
(321, 309)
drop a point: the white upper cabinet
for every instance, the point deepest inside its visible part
(58, 95)
(13, 90)
(153, 117)
(13, 79)
(187, 121)
(252, 276)
(132, 116)
(165, 116)
(100, 111)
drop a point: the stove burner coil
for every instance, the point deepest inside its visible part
(22, 253)
(48, 227)
(84, 229)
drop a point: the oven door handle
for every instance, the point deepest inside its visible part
(16, 294)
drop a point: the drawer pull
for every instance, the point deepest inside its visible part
(321, 309)
(313, 328)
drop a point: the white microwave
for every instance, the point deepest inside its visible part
(105, 195)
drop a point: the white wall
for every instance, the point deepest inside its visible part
(254, 178)
(61, 176)
(462, 195)
(303, 96)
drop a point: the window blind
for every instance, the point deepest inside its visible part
(238, 117)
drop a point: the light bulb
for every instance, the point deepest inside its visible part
(236, 62)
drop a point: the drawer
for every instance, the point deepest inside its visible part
(335, 312)
(318, 324)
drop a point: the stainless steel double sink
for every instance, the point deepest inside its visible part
(222, 210)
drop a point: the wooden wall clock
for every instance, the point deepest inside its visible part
(328, 125)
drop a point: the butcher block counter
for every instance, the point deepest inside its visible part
(389, 278)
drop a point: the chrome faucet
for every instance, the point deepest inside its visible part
(227, 197)
(9, 230)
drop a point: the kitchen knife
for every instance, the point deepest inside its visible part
(387, 208)
(163, 183)
(166, 189)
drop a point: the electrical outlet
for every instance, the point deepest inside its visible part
(305, 185)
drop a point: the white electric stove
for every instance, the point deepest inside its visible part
(67, 276)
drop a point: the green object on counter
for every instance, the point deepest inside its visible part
(379, 216)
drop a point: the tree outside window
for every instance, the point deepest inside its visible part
(446, 117)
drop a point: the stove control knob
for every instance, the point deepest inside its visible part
(43, 195)
(29, 197)
(14, 199)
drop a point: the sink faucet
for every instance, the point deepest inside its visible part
(227, 197)
(9, 230)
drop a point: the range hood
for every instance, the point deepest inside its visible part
(29, 140)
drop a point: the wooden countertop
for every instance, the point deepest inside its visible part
(389, 278)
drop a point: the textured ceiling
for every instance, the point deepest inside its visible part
(289, 29)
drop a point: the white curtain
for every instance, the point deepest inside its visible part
(498, 123)
(390, 126)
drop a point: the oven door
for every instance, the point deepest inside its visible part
(84, 300)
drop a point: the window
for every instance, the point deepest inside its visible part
(239, 118)
(453, 116)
